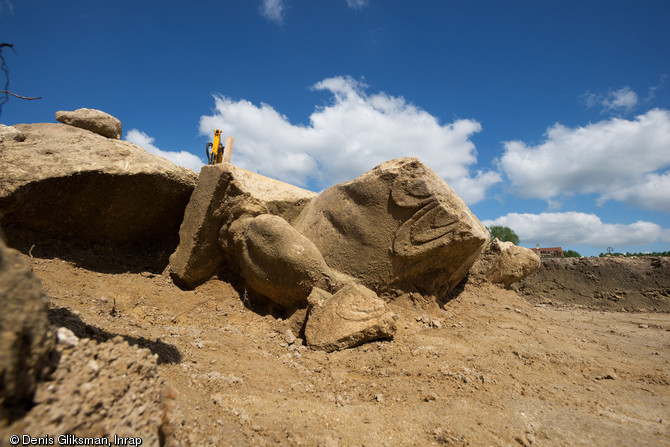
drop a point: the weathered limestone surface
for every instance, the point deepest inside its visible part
(398, 225)
(26, 341)
(94, 120)
(74, 184)
(352, 316)
(9, 133)
(277, 261)
(504, 263)
(224, 194)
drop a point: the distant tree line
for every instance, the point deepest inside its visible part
(571, 254)
(631, 255)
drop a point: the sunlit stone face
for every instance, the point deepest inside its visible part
(398, 222)
(432, 223)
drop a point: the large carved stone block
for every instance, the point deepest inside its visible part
(76, 185)
(398, 225)
(225, 193)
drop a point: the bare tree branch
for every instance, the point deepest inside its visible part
(19, 96)
(5, 91)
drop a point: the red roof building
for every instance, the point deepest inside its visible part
(548, 252)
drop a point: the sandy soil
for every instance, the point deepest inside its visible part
(639, 284)
(485, 368)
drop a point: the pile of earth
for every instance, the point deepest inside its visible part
(483, 368)
(613, 283)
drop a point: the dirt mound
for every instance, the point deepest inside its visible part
(99, 390)
(485, 368)
(25, 338)
(616, 283)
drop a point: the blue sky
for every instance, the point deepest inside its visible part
(550, 117)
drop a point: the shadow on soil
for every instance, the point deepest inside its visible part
(97, 257)
(454, 293)
(62, 316)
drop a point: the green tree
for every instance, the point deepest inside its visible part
(504, 234)
(571, 254)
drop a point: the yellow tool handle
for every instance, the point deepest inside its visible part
(217, 153)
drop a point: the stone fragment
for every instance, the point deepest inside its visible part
(9, 133)
(289, 337)
(223, 194)
(399, 225)
(504, 263)
(73, 184)
(350, 317)
(606, 374)
(26, 341)
(94, 120)
(67, 337)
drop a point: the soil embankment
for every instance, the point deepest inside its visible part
(612, 283)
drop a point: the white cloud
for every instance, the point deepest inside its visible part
(623, 100)
(273, 10)
(183, 158)
(574, 228)
(591, 99)
(353, 134)
(357, 4)
(625, 160)
(652, 192)
(651, 95)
